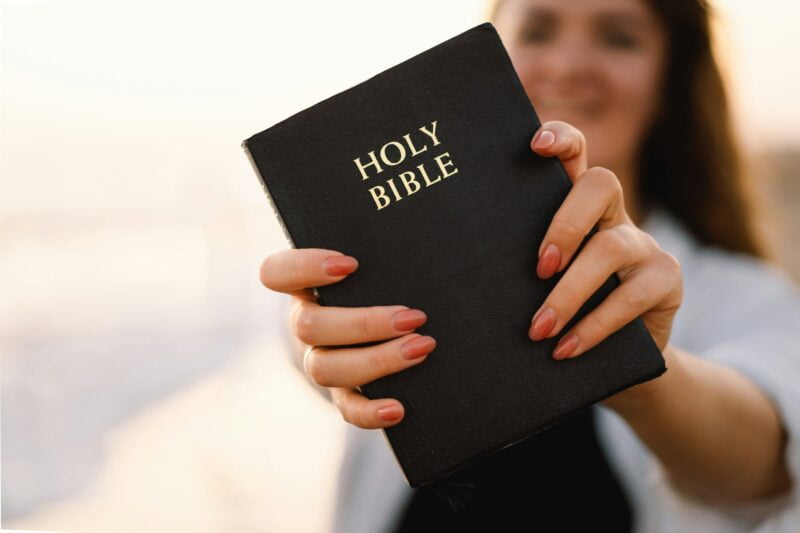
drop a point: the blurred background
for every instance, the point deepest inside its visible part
(145, 381)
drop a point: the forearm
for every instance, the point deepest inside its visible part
(715, 432)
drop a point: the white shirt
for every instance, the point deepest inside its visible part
(737, 311)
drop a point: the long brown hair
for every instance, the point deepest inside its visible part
(690, 162)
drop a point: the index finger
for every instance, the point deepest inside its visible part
(294, 270)
(557, 138)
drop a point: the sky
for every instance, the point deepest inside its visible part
(85, 82)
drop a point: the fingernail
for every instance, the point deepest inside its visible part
(408, 319)
(390, 412)
(565, 346)
(548, 264)
(417, 347)
(339, 265)
(545, 139)
(542, 324)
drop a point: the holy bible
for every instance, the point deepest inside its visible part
(424, 173)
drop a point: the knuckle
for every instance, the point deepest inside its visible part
(339, 402)
(567, 229)
(365, 323)
(336, 397)
(347, 415)
(580, 138)
(635, 298)
(613, 241)
(564, 127)
(264, 272)
(305, 324)
(567, 298)
(361, 419)
(576, 140)
(343, 404)
(378, 360)
(673, 266)
(650, 241)
(554, 124)
(671, 263)
(630, 233)
(314, 367)
(297, 271)
(605, 179)
(596, 323)
(294, 309)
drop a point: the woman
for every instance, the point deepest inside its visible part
(631, 100)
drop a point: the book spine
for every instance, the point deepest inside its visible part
(274, 206)
(264, 187)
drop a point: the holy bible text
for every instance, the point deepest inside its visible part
(410, 181)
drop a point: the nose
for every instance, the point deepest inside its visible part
(568, 60)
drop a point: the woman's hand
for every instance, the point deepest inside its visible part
(319, 329)
(689, 416)
(651, 282)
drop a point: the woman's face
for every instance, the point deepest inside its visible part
(596, 64)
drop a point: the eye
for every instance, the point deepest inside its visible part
(537, 33)
(620, 39)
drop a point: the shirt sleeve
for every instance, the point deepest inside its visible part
(749, 320)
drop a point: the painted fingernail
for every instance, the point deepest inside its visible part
(390, 412)
(566, 346)
(408, 319)
(542, 324)
(417, 347)
(339, 265)
(548, 264)
(545, 139)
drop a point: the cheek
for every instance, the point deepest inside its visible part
(632, 92)
(630, 95)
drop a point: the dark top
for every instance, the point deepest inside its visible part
(556, 480)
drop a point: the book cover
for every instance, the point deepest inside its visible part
(424, 173)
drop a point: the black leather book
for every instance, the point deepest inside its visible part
(424, 173)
